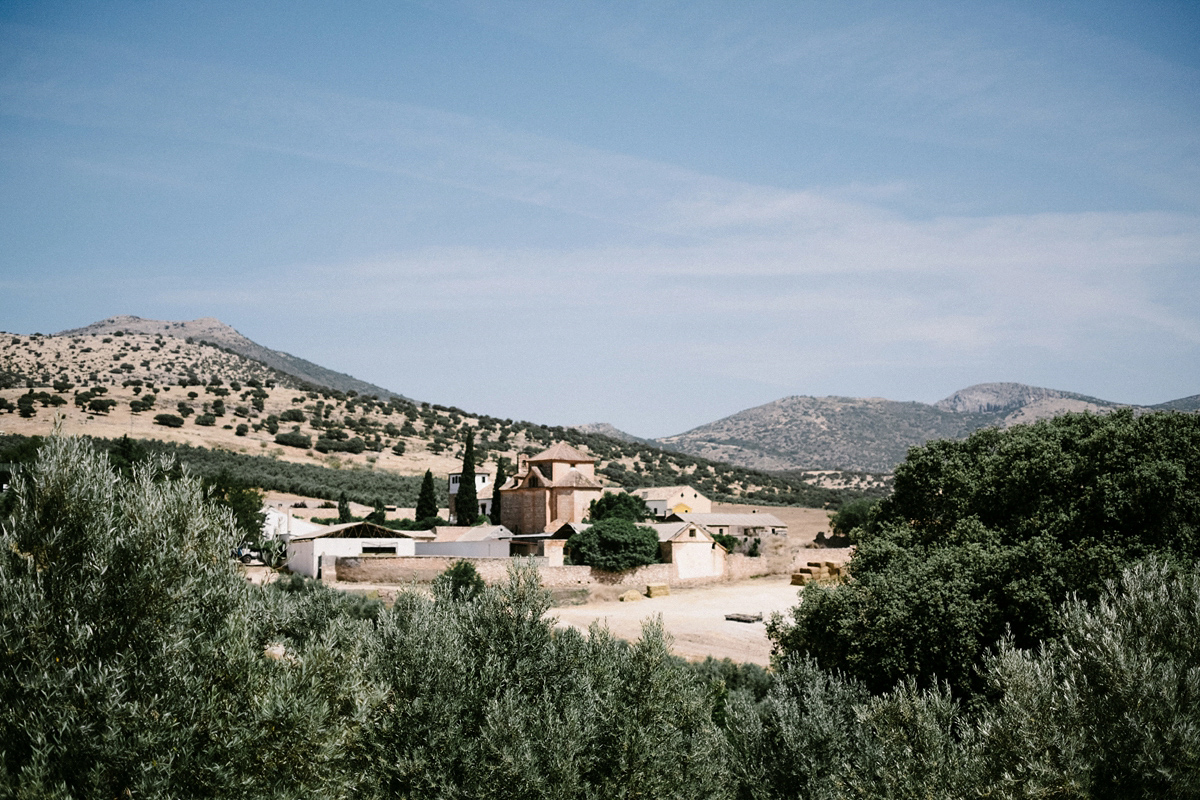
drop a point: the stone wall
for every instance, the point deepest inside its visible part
(423, 569)
(739, 566)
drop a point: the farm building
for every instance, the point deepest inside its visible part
(304, 550)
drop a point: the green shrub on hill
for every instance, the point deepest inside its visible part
(168, 420)
(294, 439)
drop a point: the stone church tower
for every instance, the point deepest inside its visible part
(549, 490)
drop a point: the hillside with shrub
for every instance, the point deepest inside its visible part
(193, 392)
(872, 434)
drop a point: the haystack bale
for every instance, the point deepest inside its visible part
(657, 590)
(631, 596)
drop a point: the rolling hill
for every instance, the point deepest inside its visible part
(193, 384)
(210, 329)
(874, 434)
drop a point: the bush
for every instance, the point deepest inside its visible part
(619, 505)
(207, 420)
(168, 420)
(460, 581)
(241, 430)
(292, 415)
(988, 535)
(123, 617)
(293, 439)
(852, 516)
(614, 545)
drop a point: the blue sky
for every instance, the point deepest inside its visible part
(652, 214)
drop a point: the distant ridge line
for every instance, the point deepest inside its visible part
(213, 330)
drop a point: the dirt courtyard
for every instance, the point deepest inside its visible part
(695, 618)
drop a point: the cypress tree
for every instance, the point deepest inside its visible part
(466, 503)
(501, 463)
(343, 509)
(427, 500)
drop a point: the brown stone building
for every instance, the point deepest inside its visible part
(549, 490)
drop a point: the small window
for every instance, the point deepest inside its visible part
(379, 550)
(692, 533)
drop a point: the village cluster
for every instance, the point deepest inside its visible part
(541, 507)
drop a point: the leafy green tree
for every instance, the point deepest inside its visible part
(460, 581)
(619, 505)
(501, 476)
(138, 663)
(466, 502)
(244, 502)
(168, 420)
(1109, 707)
(343, 509)
(290, 439)
(989, 535)
(427, 507)
(613, 545)
(474, 713)
(125, 454)
(378, 513)
(852, 516)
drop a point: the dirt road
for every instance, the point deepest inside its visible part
(696, 618)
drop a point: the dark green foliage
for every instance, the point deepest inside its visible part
(168, 420)
(619, 505)
(101, 405)
(244, 502)
(125, 454)
(614, 545)
(489, 699)
(134, 661)
(326, 601)
(990, 534)
(294, 439)
(241, 430)
(501, 476)
(208, 420)
(145, 403)
(466, 502)
(378, 513)
(427, 505)
(460, 581)
(328, 445)
(292, 415)
(398, 448)
(343, 509)
(852, 516)
(1110, 707)
(730, 543)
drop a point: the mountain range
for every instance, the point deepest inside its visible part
(798, 433)
(874, 434)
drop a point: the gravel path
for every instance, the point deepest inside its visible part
(696, 618)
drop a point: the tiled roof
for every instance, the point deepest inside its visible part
(561, 452)
(574, 479)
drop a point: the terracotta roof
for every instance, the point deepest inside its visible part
(561, 452)
(577, 480)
